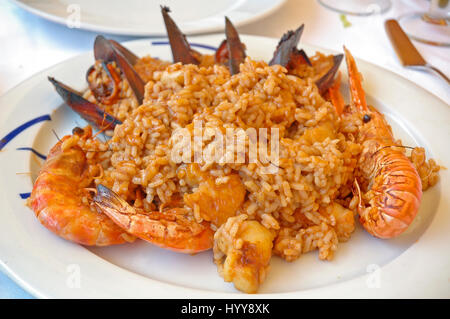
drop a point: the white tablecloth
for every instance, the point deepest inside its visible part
(31, 44)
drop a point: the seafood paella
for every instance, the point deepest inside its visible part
(250, 159)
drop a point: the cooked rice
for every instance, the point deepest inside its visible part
(308, 203)
(428, 170)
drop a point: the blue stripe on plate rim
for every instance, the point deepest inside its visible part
(192, 44)
(33, 151)
(11, 135)
(24, 195)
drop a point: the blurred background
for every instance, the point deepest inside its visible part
(32, 43)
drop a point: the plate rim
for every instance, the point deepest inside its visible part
(197, 293)
(92, 27)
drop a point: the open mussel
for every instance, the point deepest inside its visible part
(91, 112)
(287, 55)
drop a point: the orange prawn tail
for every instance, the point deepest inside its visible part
(393, 200)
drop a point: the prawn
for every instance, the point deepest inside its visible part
(59, 197)
(171, 229)
(391, 189)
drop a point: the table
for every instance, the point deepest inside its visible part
(31, 44)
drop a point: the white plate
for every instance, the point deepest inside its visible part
(143, 17)
(417, 264)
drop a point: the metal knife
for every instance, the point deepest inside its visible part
(406, 52)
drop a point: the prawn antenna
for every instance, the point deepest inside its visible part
(56, 135)
(104, 128)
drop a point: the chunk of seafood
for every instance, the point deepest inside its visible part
(217, 202)
(344, 221)
(242, 252)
